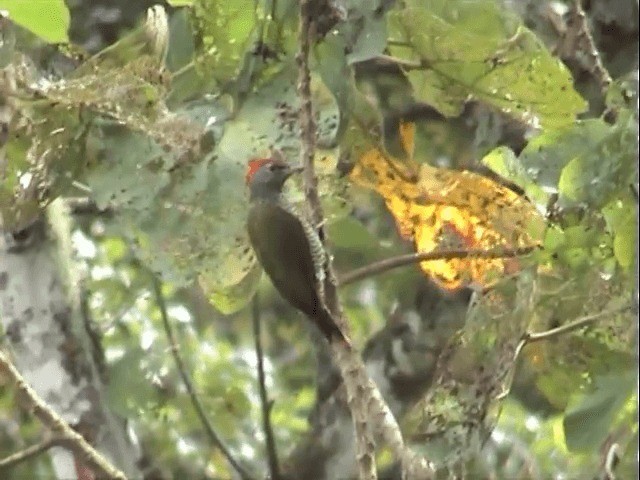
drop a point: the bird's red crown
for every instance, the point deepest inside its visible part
(256, 163)
(253, 166)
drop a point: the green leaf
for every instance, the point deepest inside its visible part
(601, 159)
(588, 422)
(48, 19)
(455, 49)
(589, 161)
(580, 236)
(131, 170)
(365, 30)
(349, 233)
(181, 41)
(225, 30)
(621, 218)
(233, 297)
(504, 162)
(331, 64)
(554, 238)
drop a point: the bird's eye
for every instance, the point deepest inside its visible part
(275, 166)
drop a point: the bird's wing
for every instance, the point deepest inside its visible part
(282, 246)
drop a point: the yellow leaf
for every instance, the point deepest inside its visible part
(443, 209)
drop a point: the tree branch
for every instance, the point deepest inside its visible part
(364, 442)
(369, 411)
(272, 452)
(29, 452)
(62, 430)
(307, 121)
(588, 46)
(214, 439)
(382, 266)
(576, 47)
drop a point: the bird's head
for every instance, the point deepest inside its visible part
(266, 176)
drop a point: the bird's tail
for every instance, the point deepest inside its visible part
(330, 327)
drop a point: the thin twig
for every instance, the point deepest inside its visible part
(401, 62)
(529, 337)
(214, 439)
(272, 452)
(27, 453)
(62, 430)
(588, 45)
(392, 42)
(577, 48)
(570, 327)
(382, 266)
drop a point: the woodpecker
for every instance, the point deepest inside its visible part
(287, 246)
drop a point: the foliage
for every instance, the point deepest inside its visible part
(157, 129)
(49, 20)
(480, 49)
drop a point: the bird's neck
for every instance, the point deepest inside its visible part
(267, 195)
(281, 200)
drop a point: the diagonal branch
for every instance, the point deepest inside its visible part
(570, 327)
(382, 266)
(214, 439)
(576, 47)
(586, 43)
(62, 430)
(272, 452)
(29, 452)
(530, 337)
